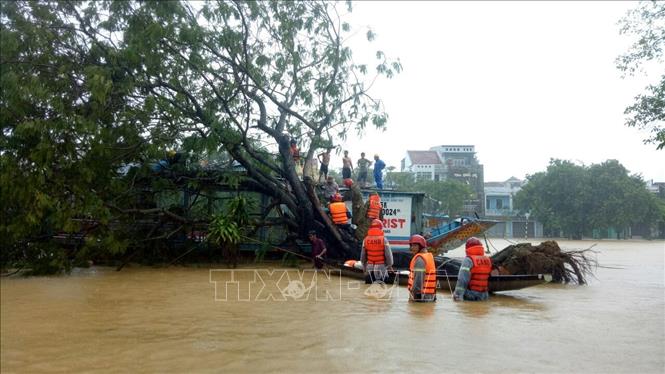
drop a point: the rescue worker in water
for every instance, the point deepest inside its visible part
(376, 255)
(422, 271)
(474, 273)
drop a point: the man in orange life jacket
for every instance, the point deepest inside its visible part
(472, 280)
(338, 212)
(376, 255)
(374, 208)
(422, 271)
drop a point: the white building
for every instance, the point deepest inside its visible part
(499, 206)
(449, 162)
(423, 165)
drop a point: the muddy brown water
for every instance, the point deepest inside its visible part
(175, 320)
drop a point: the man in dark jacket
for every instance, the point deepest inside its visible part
(318, 249)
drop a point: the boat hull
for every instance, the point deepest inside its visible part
(447, 282)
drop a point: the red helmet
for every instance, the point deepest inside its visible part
(418, 239)
(336, 197)
(376, 224)
(348, 182)
(474, 247)
(472, 242)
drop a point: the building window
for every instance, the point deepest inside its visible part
(499, 204)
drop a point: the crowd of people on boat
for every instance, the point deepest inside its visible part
(323, 158)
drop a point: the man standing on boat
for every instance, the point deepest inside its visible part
(474, 273)
(376, 255)
(324, 158)
(422, 271)
(363, 167)
(379, 165)
(347, 165)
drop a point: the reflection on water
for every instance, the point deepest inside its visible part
(421, 310)
(168, 320)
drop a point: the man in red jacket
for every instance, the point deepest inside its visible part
(318, 249)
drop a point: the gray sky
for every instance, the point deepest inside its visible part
(522, 81)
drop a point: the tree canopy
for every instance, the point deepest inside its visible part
(90, 87)
(574, 199)
(646, 24)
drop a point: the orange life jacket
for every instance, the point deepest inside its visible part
(429, 284)
(375, 247)
(338, 213)
(374, 207)
(482, 267)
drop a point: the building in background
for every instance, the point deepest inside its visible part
(424, 165)
(450, 162)
(461, 164)
(499, 207)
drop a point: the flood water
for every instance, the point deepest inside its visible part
(175, 320)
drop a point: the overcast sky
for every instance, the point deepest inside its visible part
(522, 81)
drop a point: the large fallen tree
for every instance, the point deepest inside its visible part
(91, 86)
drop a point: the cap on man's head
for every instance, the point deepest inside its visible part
(311, 232)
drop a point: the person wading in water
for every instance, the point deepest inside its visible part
(474, 273)
(376, 255)
(422, 271)
(318, 250)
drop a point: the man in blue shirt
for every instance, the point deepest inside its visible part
(379, 165)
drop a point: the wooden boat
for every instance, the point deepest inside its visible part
(446, 282)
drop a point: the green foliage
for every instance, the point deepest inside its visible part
(223, 230)
(574, 199)
(261, 253)
(290, 260)
(450, 194)
(228, 227)
(67, 125)
(646, 24)
(47, 259)
(89, 87)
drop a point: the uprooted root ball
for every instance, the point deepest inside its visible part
(547, 258)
